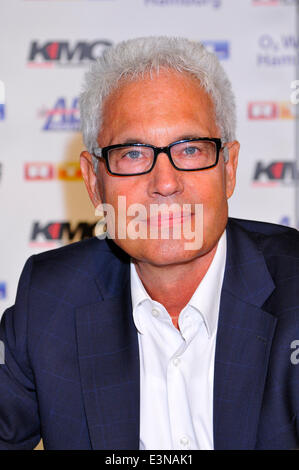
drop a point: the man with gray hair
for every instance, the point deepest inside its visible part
(143, 339)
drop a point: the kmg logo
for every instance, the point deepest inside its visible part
(62, 53)
(277, 172)
(45, 234)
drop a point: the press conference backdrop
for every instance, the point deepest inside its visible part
(45, 49)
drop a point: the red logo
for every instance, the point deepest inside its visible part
(39, 171)
(262, 110)
(267, 110)
(43, 171)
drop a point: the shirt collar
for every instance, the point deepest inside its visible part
(138, 294)
(206, 298)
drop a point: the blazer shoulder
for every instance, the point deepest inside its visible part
(72, 252)
(83, 256)
(279, 248)
(68, 272)
(272, 240)
(77, 272)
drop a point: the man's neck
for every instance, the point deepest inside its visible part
(173, 285)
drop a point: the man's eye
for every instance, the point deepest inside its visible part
(133, 154)
(191, 150)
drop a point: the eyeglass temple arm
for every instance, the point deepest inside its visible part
(97, 152)
(225, 153)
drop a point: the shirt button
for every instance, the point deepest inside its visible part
(176, 361)
(184, 441)
(155, 312)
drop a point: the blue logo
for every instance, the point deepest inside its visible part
(220, 48)
(2, 101)
(286, 220)
(63, 116)
(2, 290)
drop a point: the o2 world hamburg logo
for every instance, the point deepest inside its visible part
(64, 116)
(2, 101)
(65, 53)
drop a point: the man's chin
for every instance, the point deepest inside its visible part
(161, 252)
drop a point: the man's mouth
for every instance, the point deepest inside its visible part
(167, 220)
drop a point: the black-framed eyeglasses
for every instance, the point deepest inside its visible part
(138, 159)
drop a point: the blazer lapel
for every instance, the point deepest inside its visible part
(243, 343)
(109, 360)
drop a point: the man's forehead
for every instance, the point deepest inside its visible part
(153, 133)
(167, 103)
(158, 76)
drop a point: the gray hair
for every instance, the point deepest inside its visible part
(130, 60)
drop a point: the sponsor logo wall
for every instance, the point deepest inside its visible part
(47, 46)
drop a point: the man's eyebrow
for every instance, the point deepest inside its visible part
(132, 141)
(141, 141)
(189, 137)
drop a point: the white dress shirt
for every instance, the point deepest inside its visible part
(177, 366)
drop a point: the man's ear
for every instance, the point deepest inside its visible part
(231, 166)
(90, 178)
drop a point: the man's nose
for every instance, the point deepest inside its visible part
(165, 180)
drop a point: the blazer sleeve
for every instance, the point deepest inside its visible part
(19, 417)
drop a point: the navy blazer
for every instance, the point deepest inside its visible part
(71, 372)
